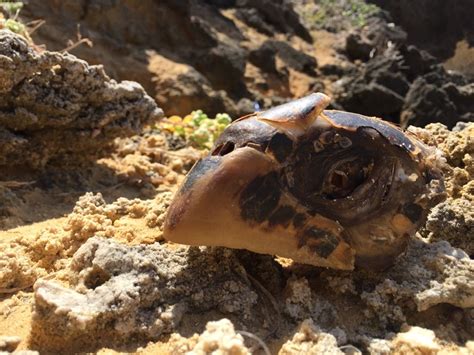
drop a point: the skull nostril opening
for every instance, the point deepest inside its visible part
(224, 149)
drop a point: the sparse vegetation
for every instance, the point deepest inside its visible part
(322, 14)
(197, 128)
(9, 11)
(11, 7)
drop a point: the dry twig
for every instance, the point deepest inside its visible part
(79, 40)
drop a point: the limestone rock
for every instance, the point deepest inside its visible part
(57, 107)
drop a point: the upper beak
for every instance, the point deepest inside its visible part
(207, 211)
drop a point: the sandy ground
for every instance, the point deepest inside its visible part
(84, 266)
(47, 230)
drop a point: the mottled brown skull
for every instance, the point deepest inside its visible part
(322, 187)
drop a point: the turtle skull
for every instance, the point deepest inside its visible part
(327, 188)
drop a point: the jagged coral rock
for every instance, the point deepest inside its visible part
(116, 287)
(138, 291)
(50, 98)
(429, 274)
(219, 338)
(301, 302)
(310, 340)
(299, 299)
(453, 219)
(416, 340)
(25, 259)
(365, 304)
(9, 343)
(16, 271)
(149, 159)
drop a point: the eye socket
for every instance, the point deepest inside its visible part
(224, 149)
(341, 181)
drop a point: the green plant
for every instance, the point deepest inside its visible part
(14, 26)
(12, 9)
(344, 12)
(197, 128)
(359, 11)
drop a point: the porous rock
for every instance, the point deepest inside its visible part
(416, 340)
(24, 260)
(453, 219)
(298, 298)
(438, 97)
(218, 338)
(9, 343)
(271, 16)
(301, 303)
(138, 291)
(377, 88)
(400, 82)
(309, 339)
(49, 98)
(428, 275)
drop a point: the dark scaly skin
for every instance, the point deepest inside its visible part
(328, 188)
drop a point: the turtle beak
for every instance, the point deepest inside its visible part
(209, 210)
(205, 209)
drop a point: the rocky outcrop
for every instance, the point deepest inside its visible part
(121, 291)
(434, 25)
(399, 82)
(136, 40)
(270, 16)
(453, 219)
(377, 89)
(219, 337)
(138, 291)
(439, 97)
(57, 107)
(235, 56)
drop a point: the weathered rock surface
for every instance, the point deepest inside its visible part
(231, 55)
(434, 25)
(378, 89)
(144, 291)
(453, 219)
(139, 291)
(428, 275)
(9, 343)
(439, 97)
(219, 337)
(136, 40)
(57, 107)
(399, 82)
(311, 340)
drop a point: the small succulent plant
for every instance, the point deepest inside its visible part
(8, 17)
(197, 129)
